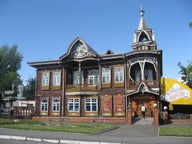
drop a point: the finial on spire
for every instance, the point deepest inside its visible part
(142, 23)
(141, 11)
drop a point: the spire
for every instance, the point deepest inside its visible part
(141, 11)
(142, 23)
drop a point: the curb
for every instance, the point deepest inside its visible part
(33, 139)
(24, 138)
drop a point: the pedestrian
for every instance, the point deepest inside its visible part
(143, 109)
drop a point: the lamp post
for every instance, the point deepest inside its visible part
(165, 108)
(155, 106)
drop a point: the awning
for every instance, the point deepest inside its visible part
(175, 92)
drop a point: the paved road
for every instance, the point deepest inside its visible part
(5, 141)
(125, 134)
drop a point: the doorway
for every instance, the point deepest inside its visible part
(136, 107)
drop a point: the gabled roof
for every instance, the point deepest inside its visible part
(79, 49)
(109, 52)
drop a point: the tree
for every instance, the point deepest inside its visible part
(186, 73)
(10, 63)
(29, 89)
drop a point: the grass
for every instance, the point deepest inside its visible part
(86, 128)
(184, 131)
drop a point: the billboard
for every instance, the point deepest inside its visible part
(175, 92)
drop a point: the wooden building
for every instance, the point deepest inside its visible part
(83, 85)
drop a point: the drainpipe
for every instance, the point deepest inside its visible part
(100, 74)
(80, 75)
(63, 90)
(35, 110)
(125, 79)
(125, 87)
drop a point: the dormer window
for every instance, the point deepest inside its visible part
(143, 37)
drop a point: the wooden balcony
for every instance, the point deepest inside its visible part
(82, 87)
(133, 85)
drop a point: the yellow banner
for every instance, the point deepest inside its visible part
(175, 92)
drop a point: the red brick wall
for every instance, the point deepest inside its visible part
(83, 119)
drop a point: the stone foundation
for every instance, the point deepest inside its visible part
(83, 119)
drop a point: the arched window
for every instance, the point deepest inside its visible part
(149, 72)
(143, 37)
(135, 72)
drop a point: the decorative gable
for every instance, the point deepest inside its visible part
(79, 50)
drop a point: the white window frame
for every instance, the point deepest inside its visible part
(93, 77)
(45, 79)
(119, 74)
(75, 104)
(56, 104)
(138, 75)
(149, 73)
(44, 104)
(76, 77)
(106, 75)
(92, 104)
(56, 78)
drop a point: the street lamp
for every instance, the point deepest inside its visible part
(165, 108)
(155, 106)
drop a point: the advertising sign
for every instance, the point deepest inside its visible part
(176, 92)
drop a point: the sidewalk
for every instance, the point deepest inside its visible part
(125, 134)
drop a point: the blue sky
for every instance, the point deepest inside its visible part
(44, 29)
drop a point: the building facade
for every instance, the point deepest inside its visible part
(85, 85)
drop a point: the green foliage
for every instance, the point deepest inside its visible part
(10, 63)
(186, 73)
(29, 89)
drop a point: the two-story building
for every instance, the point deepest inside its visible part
(83, 85)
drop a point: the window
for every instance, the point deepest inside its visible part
(148, 74)
(93, 77)
(119, 74)
(91, 104)
(106, 75)
(56, 104)
(137, 75)
(56, 78)
(44, 105)
(77, 76)
(45, 79)
(74, 104)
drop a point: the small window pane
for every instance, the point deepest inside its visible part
(119, 74)
(74, 104)
(56, 78)
(45, 79)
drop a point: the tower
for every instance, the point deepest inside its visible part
(143, 38)
(144, 69)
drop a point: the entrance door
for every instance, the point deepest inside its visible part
(147, 106)
(136, 108)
